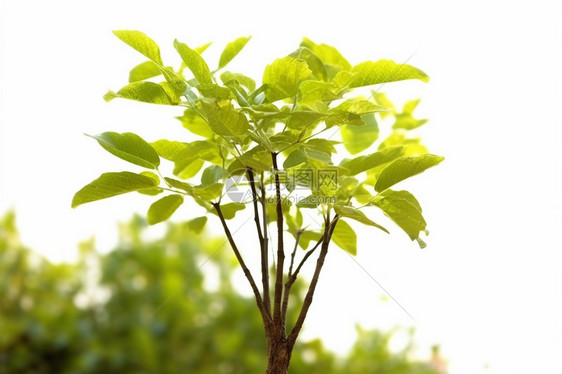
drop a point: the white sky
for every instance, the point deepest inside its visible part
(487, 288)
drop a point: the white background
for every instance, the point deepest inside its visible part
(487, 288)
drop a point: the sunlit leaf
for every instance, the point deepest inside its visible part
(358, 138)
(142, 43)
(363, 163)
(330, 56)
(245, 81)
(194, 123)
(224, 120)
(170, 150)
(314, 63)
(129, 147)
(312, 91)
(194, 62)
(213, 174)
(403, 168)
(374, 72)
(349, 212)
(144, 70)
(144, 91)
(381, 99)
(406, 120)
(412, 146)
(283, 77)
(403, 208)
(112, 184)
(209, 192)
(197, 224)
(231, 50)
(344, 237)
(229, 210)
(163, 209)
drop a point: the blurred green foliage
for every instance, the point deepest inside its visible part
(145, 308)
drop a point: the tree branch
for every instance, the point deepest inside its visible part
(328, 231)
(263, 245)
(280, 248)
(288, 284)
(266, 317)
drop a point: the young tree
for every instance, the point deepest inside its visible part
(276, 140)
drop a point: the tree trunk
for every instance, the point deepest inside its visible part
(279, 356)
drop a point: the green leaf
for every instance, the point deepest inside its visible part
(295, 158)
(313, 91)
(358, 138)
(349, 212)
(209, 192)
(311, 201)
(229, 210)
(194, 62)
(358, 105)
(283, 77)
(170, 150)
(152, 191)
(381, 99)
(213, 174)
(314, 63)
(215, 91)
(188, 168)
(245, 81)
(344, 237)
(202, 48)
(129, 147)
(142, 43)
(112, 184)
(144, 91)
(197, 224)
(231, 50)
(324, 145)
(190, 190)
(330, 56)
(406, 120)
(162, 209)
(224, 120)
(383, 71)
(412, 146)
(300, 120)
(194, 123)
(145, 70)
(307, 236)
(364, 163)
(403, 208)
(405, 167)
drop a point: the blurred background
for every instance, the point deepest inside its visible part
(133, 310)
(487, 290)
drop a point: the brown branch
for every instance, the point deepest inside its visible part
(266, 317)
(280, 250)
(288, 284)
(328, 231)
(263, 245)
(265, 232)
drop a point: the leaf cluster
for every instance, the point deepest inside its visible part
(305, 110)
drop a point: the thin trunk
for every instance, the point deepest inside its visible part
(278, 356)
